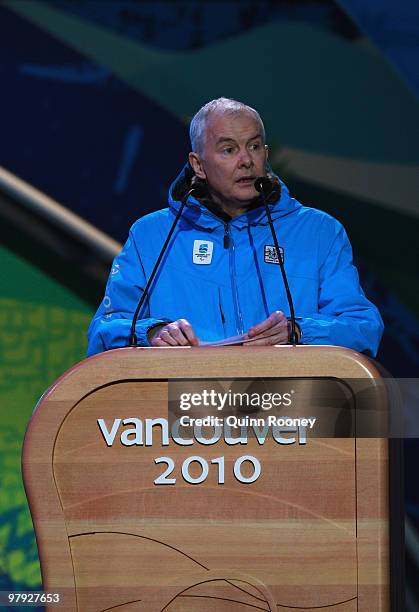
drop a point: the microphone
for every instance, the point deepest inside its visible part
(197, 188)
(264, 186)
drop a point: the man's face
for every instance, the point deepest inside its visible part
(233, 156)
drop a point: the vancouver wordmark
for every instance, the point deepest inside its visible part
(133, 431)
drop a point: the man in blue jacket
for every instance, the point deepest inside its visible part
(220, 276)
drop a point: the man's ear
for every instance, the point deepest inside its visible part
(196, 164)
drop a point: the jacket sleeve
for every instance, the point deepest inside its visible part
(345, 316)
(110, 327)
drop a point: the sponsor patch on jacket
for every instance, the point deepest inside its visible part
(202, 252)
(271, 255)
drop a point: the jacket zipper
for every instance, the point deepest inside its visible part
(229, 244)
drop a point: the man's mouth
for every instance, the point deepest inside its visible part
(246, 180)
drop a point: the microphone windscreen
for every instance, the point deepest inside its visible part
(198, 187)
(263, 185)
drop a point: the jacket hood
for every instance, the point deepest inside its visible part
(201, 211)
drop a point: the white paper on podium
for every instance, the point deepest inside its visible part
(242, 339)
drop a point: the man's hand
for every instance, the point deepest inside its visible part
(177, 333)
(273, 330)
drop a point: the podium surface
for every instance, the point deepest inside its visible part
(283, 522)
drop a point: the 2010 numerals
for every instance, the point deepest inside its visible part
(164, 478)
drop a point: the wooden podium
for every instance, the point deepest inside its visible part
(310, 533)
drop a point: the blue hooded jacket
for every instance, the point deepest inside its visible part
(222, 276)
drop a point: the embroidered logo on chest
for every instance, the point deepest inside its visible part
(271, 256)
(202, 252)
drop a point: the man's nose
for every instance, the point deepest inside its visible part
(245, 159)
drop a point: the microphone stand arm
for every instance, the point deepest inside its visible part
(293, 336)
(133, 336)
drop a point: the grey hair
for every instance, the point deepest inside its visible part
(224, 105)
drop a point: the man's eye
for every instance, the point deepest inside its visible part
(255, 146)
(227, 150)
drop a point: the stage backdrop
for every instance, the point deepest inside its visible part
(95, 102)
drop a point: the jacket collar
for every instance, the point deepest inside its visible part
(203, 214)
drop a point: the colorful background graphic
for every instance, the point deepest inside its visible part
(96, 97)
